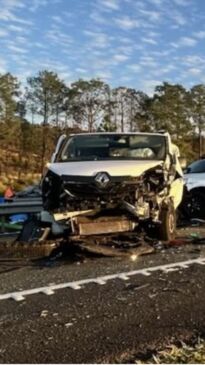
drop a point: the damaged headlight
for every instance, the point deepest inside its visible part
(155, 178)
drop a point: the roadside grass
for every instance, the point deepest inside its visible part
(174, 354)
(18, 183)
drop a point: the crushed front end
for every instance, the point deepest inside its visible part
(98, 196)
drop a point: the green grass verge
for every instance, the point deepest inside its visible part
(184, 354)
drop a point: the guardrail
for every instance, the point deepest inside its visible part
(21, 207)
(18, 207)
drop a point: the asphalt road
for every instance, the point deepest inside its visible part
(99, 323)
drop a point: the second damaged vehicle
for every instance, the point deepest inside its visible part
(109, 183)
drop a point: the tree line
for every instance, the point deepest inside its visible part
(32, 115)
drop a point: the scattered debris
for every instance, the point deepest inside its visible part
(44, 313)
(69, 324)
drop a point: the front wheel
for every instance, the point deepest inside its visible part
(194, 204)
(167, 228)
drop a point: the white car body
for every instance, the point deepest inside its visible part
(142, 172)
(194, 200)
(194, 179)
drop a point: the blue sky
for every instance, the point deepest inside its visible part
(135, 43)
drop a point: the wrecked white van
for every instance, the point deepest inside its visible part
(106, 183)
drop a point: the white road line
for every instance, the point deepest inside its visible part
(101, 280)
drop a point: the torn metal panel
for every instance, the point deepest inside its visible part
(67, 215)
(133, 253)
(84, 226)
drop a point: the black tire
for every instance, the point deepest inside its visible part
(167, 228)
(194, 204)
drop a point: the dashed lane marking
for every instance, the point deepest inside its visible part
(101, 280)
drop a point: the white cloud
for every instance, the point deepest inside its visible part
(184, 42)
(98, 39)
(35, 4)
(163, 70)
(97, 17)
(181, 2)
(153, 16)
(81, 70)
(104, 74)
(148, 62)
(17, 49)
(3, 33)
(152, 34)
(39, 45)
(148, 86)
(8, 8)
(126, 40)
(135, 68)
(157, 2)
(149, 41)
(110, 4)
(194, 71)
(21, 39)
(125, 50)
(200, 34)
(16, 28)
(193, 60)
(187, 41)
(127, 23)
(179, 19)
(57, 19)
(120, 58)
(56, 36)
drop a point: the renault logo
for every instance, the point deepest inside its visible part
(102, 179)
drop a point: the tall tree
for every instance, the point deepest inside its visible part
(45, 92)
(88, 101)
(197, 107)
(9, 92)
(129, 108)
(169, 108)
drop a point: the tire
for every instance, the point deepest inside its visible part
(167, 228)
(194, 204)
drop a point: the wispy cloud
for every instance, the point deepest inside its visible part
(149, 41)
(127, 23)
(134, 68)
(17, 49)
(149, 85)
(181, 2)
(56, 36)
(148, 61)
(153, 16)
(194, 71)
(120, 58)
(139, 42)
(185, 42)
(36, 4)
(8, 8)
(178, 18)
(97, 39)
(110, 4)
(17, 28)
(3, 33)
(200, 34)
